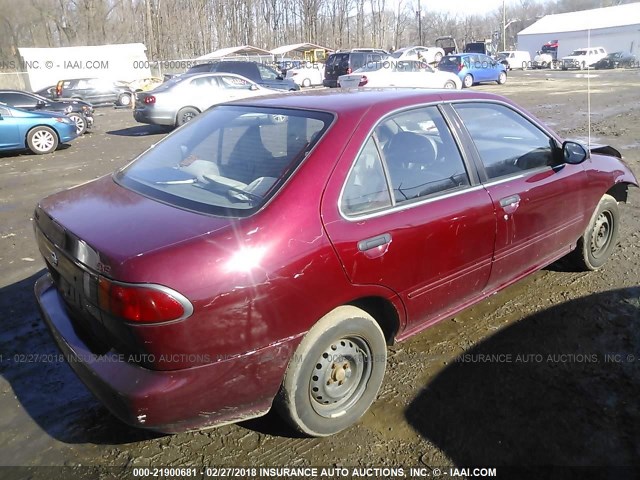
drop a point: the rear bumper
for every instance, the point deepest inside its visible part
(227, 391)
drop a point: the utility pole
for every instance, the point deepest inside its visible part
(419, 15)
(504, 26)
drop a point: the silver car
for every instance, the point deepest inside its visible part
(181, 98)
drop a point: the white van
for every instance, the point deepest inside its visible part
(516, 59)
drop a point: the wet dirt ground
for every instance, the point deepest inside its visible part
(544, 373)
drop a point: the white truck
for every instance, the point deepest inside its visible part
(582, 58)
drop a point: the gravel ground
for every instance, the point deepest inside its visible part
(545, 373)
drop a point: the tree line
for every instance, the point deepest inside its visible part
(185, 29)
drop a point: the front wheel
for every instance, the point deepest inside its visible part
(467, 81)
(80, 121)
(600, 238)
(335, 373)
(306, 82)
(450, 84)
(437, 58)
(41, 140)
(502, 78)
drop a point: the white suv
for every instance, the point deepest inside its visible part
(583, 58)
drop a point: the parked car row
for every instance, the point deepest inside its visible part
(410, 67)
(77, 110)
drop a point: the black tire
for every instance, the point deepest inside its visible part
(600, 238)
(306, 82)
(450, 84)
(185, 115)
(80, 121)
(467, 81)
(124, 100)
(437, 58)
(41, 140)
(502, 78)
(335, 373)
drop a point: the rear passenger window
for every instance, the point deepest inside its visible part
(421, 155)
(366, 189)
(507, 142)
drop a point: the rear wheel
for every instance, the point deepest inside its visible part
(42, 140)
(450, 84)
(306, 82)
(437, 58)
(124, 100)
(80, 121)
(335, 373)
(502, 78)
(185, 115)
(467, 81)
(600, 238)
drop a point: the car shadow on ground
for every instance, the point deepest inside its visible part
(559, 387)
(141, 131)
(44, 385)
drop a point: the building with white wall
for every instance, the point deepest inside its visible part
(614, 28)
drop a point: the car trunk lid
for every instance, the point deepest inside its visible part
(103, 225)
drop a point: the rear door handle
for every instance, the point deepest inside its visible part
(507, 201)
(373, 242)
(510, 204)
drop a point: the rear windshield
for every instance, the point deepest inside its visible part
(337, 59)
(228, 161)
(450, 60)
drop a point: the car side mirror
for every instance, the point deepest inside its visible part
(573, 153)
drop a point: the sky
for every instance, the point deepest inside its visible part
(462, 7)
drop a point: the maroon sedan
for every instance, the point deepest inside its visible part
(266, 253)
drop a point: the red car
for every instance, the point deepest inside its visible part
(244, 263)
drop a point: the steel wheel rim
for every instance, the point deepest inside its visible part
(187, 116)
(43, 140)
(340, 376)
(125, 100)
(601, 234)
(450, 85)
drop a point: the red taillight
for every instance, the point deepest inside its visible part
(137, 303)
(150, 99)
(59, 89)
(460, 66)
(349, 70)
(363, 81)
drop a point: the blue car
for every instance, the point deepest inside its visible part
(41, 131)
(474, 68)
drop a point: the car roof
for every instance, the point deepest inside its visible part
(13, 90)
(359, 101)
